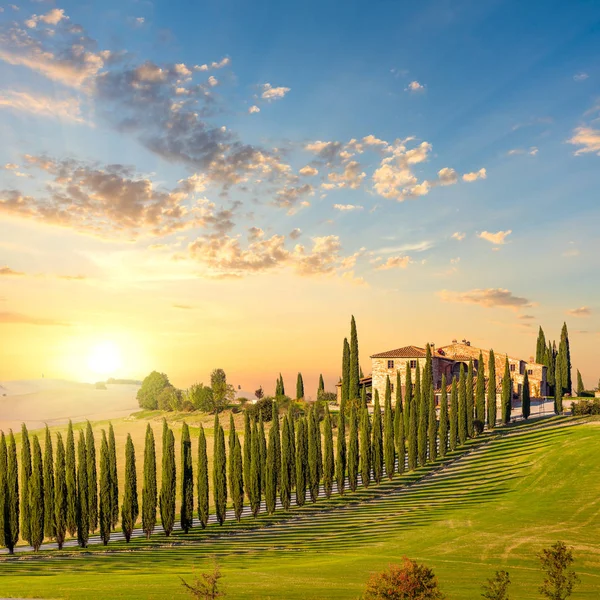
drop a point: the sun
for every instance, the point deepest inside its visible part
(104, 358)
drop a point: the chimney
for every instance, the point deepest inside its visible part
(454, 341)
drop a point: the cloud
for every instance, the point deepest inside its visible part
(67, 109)
(351, 178)
(10, 272)
(72, 277)
(291, 197)
(270, 93)
(328, 152)
(447, 176)
(308, 171)
(587, 138)
(18, 318)
(53, 17)
(580, 77)
(395, 262)
(253, 110)
(255, 233)
(347, 207)
(224, 62)
(497, 238)
(457, 235)
(415, 86)
(414, 247)
(516, 151)
(582, 311)
(490, 298)
(475, 175)
(183, 306)
(526, 317)
(295, 234)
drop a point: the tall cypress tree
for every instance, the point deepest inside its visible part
(60, 493)
(301, 461)
(202, 479)
(423, 418)
(220, 472)
(49, 527)
(427, 383)
(480, 391)
(231, 474)
(580, 386)
(550, 362)
(558, 391)
(168, 483)
(345, 374)
(129, 509)
(432, 427)
(453, 439)
(36, 497)
(365, 448)
(299, 387)
(540, 350)
(417, 393)
(399, 423)
(263, 451)
(565, 364)
(413, 429)
(254, 485)
(492, 408)
(506, 394)
(83, 517)
(470, 400)
(398, 402)
(462, 406)
(92, 477)
(340, 461)
(293, 448)
(363, 396)
(187, 480)
(71, 477)
(105, 503)
(247, 450)
(321, 387)
(237, 486)
(11, 498)
(526, 398)
(354, 362)
(314, 468)
(271, 474)
(3, 484)
(275, 425)
(443, 431)
(328, 461)
(25, 477)
(288, 462)
(389, 451)
(408, 395)
(149, 489)
(114, 480)
(377, 442)
(353, 450)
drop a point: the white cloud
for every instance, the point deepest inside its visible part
(447, 176)
(475, 175)
(254, 109)
(457, 235)
(415, 86)
(308, 171)
(214, 65)
(273, 93)
(352, 176)
(582, 311)
(347, 207)
(490, 298)
(580, 76)
(52, 17)
(395, 262)
(588, 139)
(497, 238)
(213, 81)
(67, 109)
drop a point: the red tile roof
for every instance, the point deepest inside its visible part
(406, 352)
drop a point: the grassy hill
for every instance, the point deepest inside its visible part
(494, 507)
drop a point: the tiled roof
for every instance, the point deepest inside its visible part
(406, 352)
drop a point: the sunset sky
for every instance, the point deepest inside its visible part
(186, 186)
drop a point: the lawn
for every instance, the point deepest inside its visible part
(494, 507)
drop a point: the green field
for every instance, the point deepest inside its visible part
(494, 507)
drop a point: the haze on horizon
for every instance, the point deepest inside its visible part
(223, 186)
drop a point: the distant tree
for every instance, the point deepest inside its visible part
(506, 404)
(202, 482)
(580, 386)
(36, 497)
(25, 477)
(389, 451)
(247, 451)
(353, 457)
(277, 427)
(200, 398)
(491, 399)
(259, 393)
(462, 406)
(262, 440)
(219, 472)
(3, 485)
(130, 507)
(11, 498)
(354, 374)
(321, 388)
(254, 484)
(49, 527)
(271, 474)
(345, 373)
(558, 390)
(340, 461)
(408, 394)
(206, 586)
(432, 433)
(377, 442)
(565, 361)
(413, 428)
(114, 479)
(423, 418)
(328, 461)
(92, 477)
(299, 387)
(60, 493)
(168, 483)
(105, 503)
(237, 484)
(399, 425)
(223, 393)
(560, 578)
(410, 580)
(149, 489)
(470, 400)
(315, 466)
(480, 391)
(152, 386)
(526, 397)
(279, 387)
(83, 516)
(540, 351)
(453, 425)
(71, 482)
(444, 423)
(301, 461)
(496, 587)
(288, 462)
(187, 480)
(365, 448)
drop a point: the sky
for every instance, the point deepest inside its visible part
(185, 186)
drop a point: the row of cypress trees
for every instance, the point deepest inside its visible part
(558, 362)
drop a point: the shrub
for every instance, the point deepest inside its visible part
(151, 388)
(560, 577)
(586, 407)
(169, 399)
(410, 581)
(201, 398)
(264, 406)
(205, 586)
(329, 397)
(100, 385)
(478, 426)
(496, 588)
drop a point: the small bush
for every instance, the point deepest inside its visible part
(586, 407)
(100, 385)
(478, 426)
(263, 406)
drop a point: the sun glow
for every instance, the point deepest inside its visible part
(104, 358)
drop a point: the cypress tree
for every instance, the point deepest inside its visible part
(416, 405)
(49, 527)
(540, 351)
(92, 477)
(247, 450)
(105, 504)
(168, 483)
(271, 474)
(25, 477)
(83, 518)
(11, 498)
(254, 486)
(363, 396)
(187, 480)
(340, 461)
(427, 383)
(506, 394)
(408, 394)
(314, 459)
(453, 440)
(237, 487)
(288, 462)
(202, 479)
(36, 497)
(354, 362)
(278, 387)
(398, 402)
(328, 462)
(470, 401)
(60, 493)
(71, 477)
(321, 387)
(149, 489)
(377, 442)
(114, 480)
(301, 461)
(389, 451)
(565, 363)
(551, 364)
(480, 391)
(345, 374)
(353, 451)
(299, 387)
(293, 448)
(423, 419)
(263, 452)
(580, 386)
(491, 400)
(443, 417)
(129, 508)
(399, 422)
(365, 448)
(558, 391)
(275, 425)
(3, 485)
(432, 427)
(413, 431)
(462, 406)
(220, 472)
(526, 400)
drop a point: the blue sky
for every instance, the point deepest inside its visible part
(438, 157)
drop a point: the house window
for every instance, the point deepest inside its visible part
(390, 364)
(413, 364)
(529, 371)
(391, 387)
(512, 367)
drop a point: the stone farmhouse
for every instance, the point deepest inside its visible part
(447, 360)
